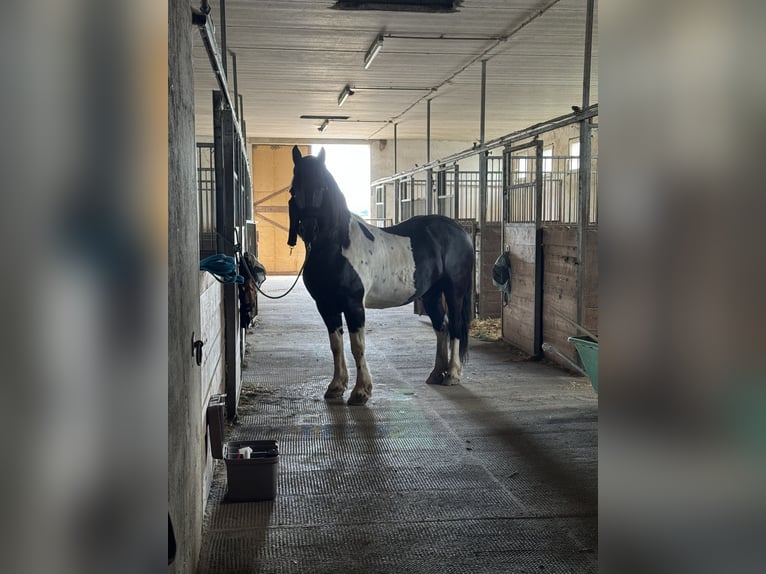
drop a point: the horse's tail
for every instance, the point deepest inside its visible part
(465, 325)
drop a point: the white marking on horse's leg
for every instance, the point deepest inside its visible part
(339, 381)
(442, 360)
(455, 368)
(363, 387)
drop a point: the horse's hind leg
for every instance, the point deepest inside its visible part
(435, 308)
(456, 325)
(339, 382)
(362, 390)
(455, 368)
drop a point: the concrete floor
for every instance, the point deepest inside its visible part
(497, 475)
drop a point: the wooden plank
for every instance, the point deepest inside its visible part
(518, 319)
(271, 209)
(264, 198)
(560, 250)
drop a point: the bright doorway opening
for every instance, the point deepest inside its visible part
(349, 164)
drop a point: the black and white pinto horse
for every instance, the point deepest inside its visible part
(351, 266)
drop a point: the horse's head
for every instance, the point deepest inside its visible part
(317, 205)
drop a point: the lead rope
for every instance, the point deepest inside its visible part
(247, 268)
(286, 292)
(238, 250)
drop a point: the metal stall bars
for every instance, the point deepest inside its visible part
(206, 199)
(405, 200)
(445, 204)
(419, 189)
(378, 217)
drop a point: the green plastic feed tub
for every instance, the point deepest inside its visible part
(588, 351)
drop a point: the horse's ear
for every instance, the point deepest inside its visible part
(320, 155)
(296, 154)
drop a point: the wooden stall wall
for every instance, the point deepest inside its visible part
(212, 371)
(560, 286)
(272, 175)
(518, 316)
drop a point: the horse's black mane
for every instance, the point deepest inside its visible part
(337, 212)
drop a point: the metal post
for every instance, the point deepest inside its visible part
(235, 110)
(429, 191)
(483, 155)
(482, 183)
(396, 143)
(225, 164)
(506, 211)
(483, 100)
(385, 203)
(456, 192)
(220, 195)
(537, 341)
(223, 39)
(428, 131)
(397, 201)
(584, 171)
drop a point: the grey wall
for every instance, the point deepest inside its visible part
(411, 152)
(185, 430)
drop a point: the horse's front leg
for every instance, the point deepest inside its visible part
(362, 390)
(339, 382)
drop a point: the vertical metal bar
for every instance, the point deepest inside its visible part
(224, 53)
(539, 259)
(429, 191)
(385, 203)
(588, 54)
(220, 195)
(538, 184)
(396, 152)
(225, 224)
(482, 190)
(428, 131)
(482, 226)
(482, 186)
(506, 186)
(200, 199)
(584, 168)
(456, 191)
(397, 201)
(483, 100)
(235, 111)
(244, 124)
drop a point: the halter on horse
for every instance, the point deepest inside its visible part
(351, 265)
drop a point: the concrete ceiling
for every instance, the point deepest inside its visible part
(294, 57)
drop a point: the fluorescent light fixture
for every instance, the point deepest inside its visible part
(373, 51)
(323, 117)
(347, 91)
(324, 125)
